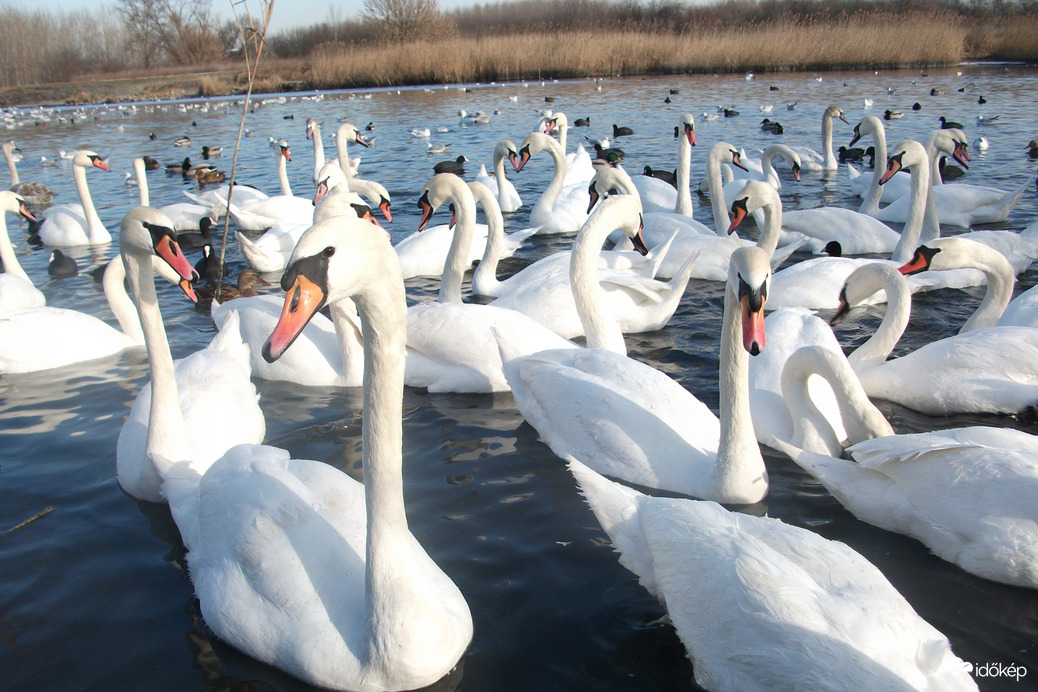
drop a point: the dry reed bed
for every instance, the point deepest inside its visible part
(862, 41)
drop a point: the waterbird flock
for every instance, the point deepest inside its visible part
(755, 601)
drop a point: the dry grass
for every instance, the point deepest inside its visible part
(862, 41)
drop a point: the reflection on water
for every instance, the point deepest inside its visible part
(95, 595)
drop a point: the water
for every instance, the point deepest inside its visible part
(94, 593)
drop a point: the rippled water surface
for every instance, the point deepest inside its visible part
(94, 595)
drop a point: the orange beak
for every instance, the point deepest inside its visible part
(170, 251)
(189, 290)
(384, 206)
(302, 302)
(24, 212)
(738, 214)
(752, 327)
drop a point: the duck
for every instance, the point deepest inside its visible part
(263, 213)
(209, 176)
(772, 126)
(853, 154)
(184, 141)
(61, 266)
(621, 131)
(395, 620)
(17, 291)
(211, 152)
(1032, 148)
(727, 579)
(560, 208)
(71, 225)
(190, 239)
(455, 166)
(181, 167)
(582, 122)
(980, 371)
(892, 115)
(243, 288)
(508, 198)
(949, 124)
(576, 400)
(44, 338)
(669, 177)
(37, 196)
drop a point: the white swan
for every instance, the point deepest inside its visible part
(17, 291)
(68, 225)
(628, 420)
(37, 196)
(498, 245)
(507, 196)
(186, 216)
(866, 185)
(46, 337)
(579, 168)
(262, 213)
(313, 132)
(987, 370)
(637, 302)
(454, 346)
(371, 190)
(969, 494)
(811, 160)
(657, 195)
(763, 169)
(560, 208)
(760, 604)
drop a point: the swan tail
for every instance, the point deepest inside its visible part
(616, 508)
(514, 240)
(659, 253)
(1010, 200)
(229, 340)
(257, 258)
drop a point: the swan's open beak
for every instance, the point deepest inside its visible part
(384, 206)
(739, 213)
(592, 192)
(24, 212)
(189, 290)
(426, 209)
(920, 261)
(893, 166)
(961, 154)
(752, 301)
(304, 298)
(690, 133)
(520, 161)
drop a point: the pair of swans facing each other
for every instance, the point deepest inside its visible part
(290, 562)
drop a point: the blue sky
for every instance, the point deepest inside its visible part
(287, 13)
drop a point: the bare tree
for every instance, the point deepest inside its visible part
(401, 20)
(143, 20)
(184, 31)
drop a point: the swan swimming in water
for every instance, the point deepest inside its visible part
(69, 225)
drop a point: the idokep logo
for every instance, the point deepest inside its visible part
(995, 670)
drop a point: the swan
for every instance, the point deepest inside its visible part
(560, 208)
(37, 196)
(982, 371)
(68, 225)
(372, 190)
(454, 346)
(857, 233)
(498, 245)
(17, 291)
(811, 160)
(313, 132)
(657, 195)
(260, 214)
(46, 337)
(508, 198)
(631, 421)
(579, 168)
(638, 303)
(764, 605)
(763, 169)
(186, 216)
(866, 185)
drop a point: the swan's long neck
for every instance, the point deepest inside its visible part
(166, 431)
(739, 462)
(717, 201)
(286, 189)
(457, 257)
(767, 168)
(811, 431)
(315, 132)
(350, 337)
(919, 202)
(931, 220)
(875, 350)
(142, 182)
(114, 283)
(683, 177)
(96, 231)
(827, 142)
(551, 193)
(1000, 276)
(7, 256)
(879, 141)
(11, 166)
(599, 324)
(499, 173)
(485, 276)
(562, 138)
(342, 152)
(769, 234)
(383, 318)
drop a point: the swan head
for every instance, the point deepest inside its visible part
(282, 150)
(558, 121)
(869, 125)
(333, 260)
(85, 158)
(505, 149)
(328, 178)
(610, 181)
(147, 231)
(534, 142)
(755, 195)
(687, 128)
(350, 133)
(835, 112)
(865, 281)
(313, 129)
(906, 155)
(749, 278)
(953, 142)
(921, 261)
(15, 204)
(440, 188)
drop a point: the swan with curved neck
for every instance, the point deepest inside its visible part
(811, 160)
(987, 370)
(659, 196)
(258, 214)
(867, 185)
(186, 216)
(560, 208)
(375, 192)
(17, 291)
(68, 225)
(579, 167)
(721, 152)
(630, 421)
(508, 198)
(313, 132)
